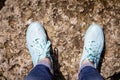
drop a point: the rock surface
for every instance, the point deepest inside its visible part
(65, 22)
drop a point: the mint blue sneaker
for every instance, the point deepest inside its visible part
(37, 43)
(93, 44)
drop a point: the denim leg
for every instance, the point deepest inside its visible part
(89, 73)
(40, 72)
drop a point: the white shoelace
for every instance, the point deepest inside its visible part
(93, 51)
(43, 47)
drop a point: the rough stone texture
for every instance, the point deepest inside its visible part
(65, 22)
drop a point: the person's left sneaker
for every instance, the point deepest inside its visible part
(37, 43)
(93, 45)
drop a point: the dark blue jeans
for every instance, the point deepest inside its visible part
(41, 72)
(89, 73)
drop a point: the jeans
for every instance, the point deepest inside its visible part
(89, 73)
(42, 72)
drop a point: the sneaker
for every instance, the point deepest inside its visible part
(37, 43)
(93, 44)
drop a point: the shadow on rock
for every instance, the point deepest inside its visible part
(2, 3)
(116, 76)
(56, 66)
(102, 56)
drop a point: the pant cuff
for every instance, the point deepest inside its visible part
(43, 62)
(84, 65)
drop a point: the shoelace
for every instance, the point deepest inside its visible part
(43, 47)
(93, 51)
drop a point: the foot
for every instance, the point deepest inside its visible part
(93, 45)
(37, 43)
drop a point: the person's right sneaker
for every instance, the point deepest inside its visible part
(37, 43)
(93, 44)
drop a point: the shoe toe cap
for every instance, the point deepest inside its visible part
(35, 26)
(35, 30)
(94, 33)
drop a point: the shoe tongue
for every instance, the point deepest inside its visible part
(93, 47)
(45, 51)
(93, 50)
